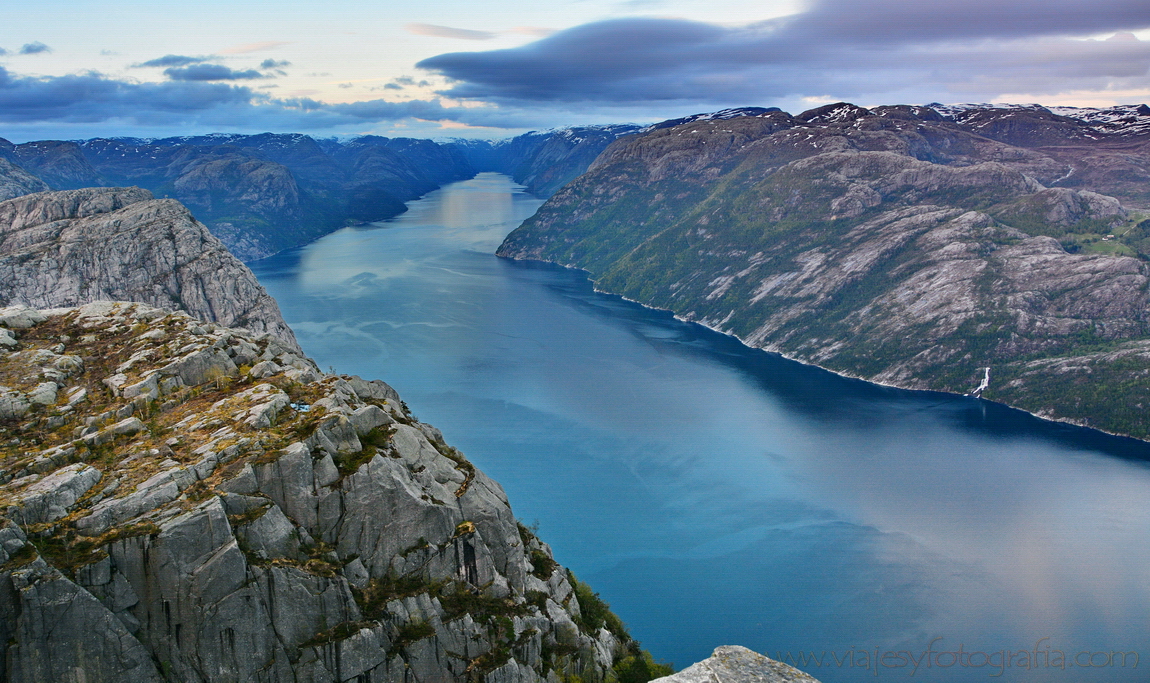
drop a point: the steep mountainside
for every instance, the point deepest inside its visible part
(76, 246)
(15, 181)
(544, 161)
(916, 246)
(188, 503)
(59, 163)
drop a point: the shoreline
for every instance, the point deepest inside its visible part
(781, 354)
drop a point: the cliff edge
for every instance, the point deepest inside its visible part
(187, 502)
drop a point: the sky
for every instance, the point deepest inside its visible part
(72, 69)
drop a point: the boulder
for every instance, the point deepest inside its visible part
(53, 496)
(737, 664)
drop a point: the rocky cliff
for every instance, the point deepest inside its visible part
(914, 246)
(72, 247)
(187, 502)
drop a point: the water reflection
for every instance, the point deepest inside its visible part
(715, 494)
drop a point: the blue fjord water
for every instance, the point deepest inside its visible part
(715, 494)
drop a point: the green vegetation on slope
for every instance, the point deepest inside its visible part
(866, 260)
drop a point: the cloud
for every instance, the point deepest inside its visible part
(173, 60)
(94, 97)
(34, 48)
(882, 50)
(885, 20)
(273, 64)
(448, 32)
(211, 72)
(253, 47)
(408, 80)
(99, 105)
(3, 52)
(391, 86)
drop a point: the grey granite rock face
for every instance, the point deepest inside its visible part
(737, 664)
(221, 526)
(78, 246)
(50, 498)
(39, 603)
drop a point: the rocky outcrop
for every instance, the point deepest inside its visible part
(737, 664)
(71, 247)
(913, 246)
(202, 504)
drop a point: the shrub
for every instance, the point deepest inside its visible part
(594, 613)
(640, 667)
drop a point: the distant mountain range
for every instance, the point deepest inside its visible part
(916, 246)
(264, 193)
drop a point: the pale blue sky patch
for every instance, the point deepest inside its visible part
(448, 32)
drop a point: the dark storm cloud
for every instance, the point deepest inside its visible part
(211, 72)
(92, 97)
(915, 20)
(838, 46)
(173, 60)
(34, 48)
(580, 60)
